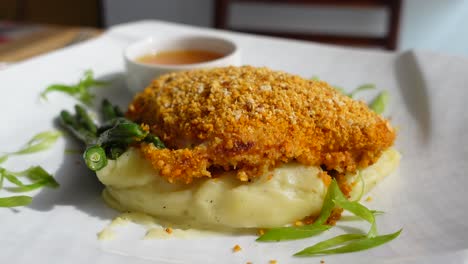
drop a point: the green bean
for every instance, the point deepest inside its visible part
(71, 124)
(108, 141)
(150, 138)
(118, 112)
(83, 118)
(95, 158)
(114, 151)
(108, 111)
(123, 132)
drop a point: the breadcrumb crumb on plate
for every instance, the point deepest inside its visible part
(236, 248)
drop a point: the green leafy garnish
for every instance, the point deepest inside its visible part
(380, 102)
(363, 187)
(358, 243)
(358, 210)
(14, 201)
(361, 88)
(376, 212)
(36, 175)
(80, 91)
(348, 242)
(339, 89)
(291, 233)
(332, 242)
(39, 142)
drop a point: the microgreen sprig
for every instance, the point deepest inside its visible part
(80, 91)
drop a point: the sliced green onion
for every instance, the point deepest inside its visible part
(291, 233)
(361, 88)
(14, 201)
(330, 243)
(13, 179)
(339, 89)
(363, 187)
(95, 158)
(36, 174)
(339, 244)
(328, 203)
(3, 158)
(68, 89)
(81, 90)
(39, 142)
(360, 211)
(376, 212)
(2, 176)
(380, 102)
(355, 245)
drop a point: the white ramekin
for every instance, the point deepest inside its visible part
(139, 75)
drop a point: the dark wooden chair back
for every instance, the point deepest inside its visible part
(388, 41)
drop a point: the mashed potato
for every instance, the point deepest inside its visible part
(280, 197)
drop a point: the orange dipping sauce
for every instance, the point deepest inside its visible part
(178, 57)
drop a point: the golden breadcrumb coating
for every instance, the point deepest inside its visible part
(253, 119)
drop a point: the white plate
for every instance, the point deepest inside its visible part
(427, 197)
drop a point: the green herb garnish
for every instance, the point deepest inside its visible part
(292, 233)
(109, 140)
(339, 244)
(380, 102)
(361, 88)
(15, 201)
(39, 142)
(36, 175)
(80, 91)
(353, 243)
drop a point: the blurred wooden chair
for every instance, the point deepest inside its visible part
(85, 13)
(388, 41)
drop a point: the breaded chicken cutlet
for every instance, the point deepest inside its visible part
(251, 120)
